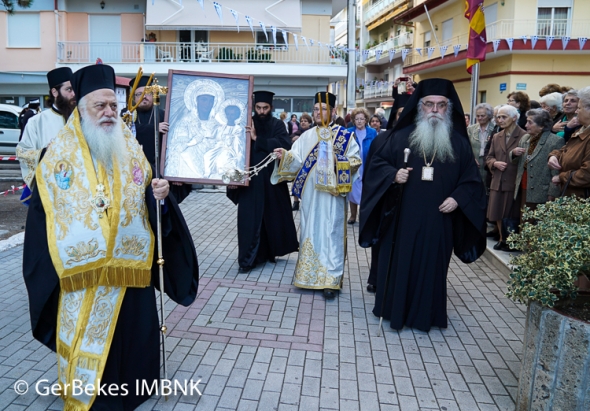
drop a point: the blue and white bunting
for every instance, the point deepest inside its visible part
(419, 51)
(201, 2)
(405, 54)
(582, 42)
(365, 55)
(549, 40)
(263, 29)
(564, 41)
(524, 39)
(430, 51)
(391, 54)
(456, 49)
(378, 55)
(534, 40)
(443, 51)
(249, 21)
(305, 42)
(236, 17)
(296, 41)
(510, 42)
(273, 29)
(311, 42)
(285, 37)
(496, 43)
(219, 11)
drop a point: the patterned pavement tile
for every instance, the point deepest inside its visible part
(257, 342)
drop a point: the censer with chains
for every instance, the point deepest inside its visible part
(240, 176)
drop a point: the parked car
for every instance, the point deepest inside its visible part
(9, 131)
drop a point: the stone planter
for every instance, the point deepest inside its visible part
(555, 371)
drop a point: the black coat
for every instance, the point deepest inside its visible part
(425, 238)
(135, 349)
(265, 219)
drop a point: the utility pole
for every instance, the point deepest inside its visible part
(351, 77)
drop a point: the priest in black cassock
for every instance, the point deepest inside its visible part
(265, 220)
(441, 208)
(143, 128)
(89, 260)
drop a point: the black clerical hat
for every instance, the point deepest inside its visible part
(143, 81)
(91, 78)
(263, 97)
(433, 87)
(58, 76)
(321, 98)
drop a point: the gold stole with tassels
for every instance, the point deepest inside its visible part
(100, 243)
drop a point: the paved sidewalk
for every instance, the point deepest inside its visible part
(258, 343)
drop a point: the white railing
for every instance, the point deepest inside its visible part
(89, 52)
(504, 29)
(380, 8)
(402, 41)
(380, 89)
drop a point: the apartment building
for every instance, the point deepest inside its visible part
(521, 68)
(376, 34)
(161, 35)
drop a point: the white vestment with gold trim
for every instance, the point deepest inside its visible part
(322, 244)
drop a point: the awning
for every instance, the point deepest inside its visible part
(170, 15)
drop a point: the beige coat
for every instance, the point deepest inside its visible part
(500, 151)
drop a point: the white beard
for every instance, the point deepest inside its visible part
(106, 144)
(432, 135)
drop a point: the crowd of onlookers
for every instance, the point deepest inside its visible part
(531, 152)
(528, 152)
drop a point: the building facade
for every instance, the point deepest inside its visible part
(556, 57)
(161, 35)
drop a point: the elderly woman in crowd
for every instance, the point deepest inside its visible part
(551, 103)
(501, 204)
(572, 161)
(364, 136)
(375, 123)
(569, 122)
(521, 101)
(533, 176)
(480, 133)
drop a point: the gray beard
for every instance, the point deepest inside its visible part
(106, 146)
(433, 138)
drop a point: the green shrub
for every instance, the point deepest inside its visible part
(556, 248)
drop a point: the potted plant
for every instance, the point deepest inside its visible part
(227, 54)
(555, 242)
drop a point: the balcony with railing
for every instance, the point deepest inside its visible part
(142, 53)
(504, 29)
(402, 41)
(381, 8)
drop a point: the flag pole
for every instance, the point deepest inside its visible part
(474, 91)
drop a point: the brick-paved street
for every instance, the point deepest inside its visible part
(257, 342)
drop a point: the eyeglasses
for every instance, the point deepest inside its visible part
(512, 101)
(317, 110)
(138, 94)
(430, 105)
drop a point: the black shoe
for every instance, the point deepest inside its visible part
(245, 269)
(351, 221)
(295, 206)
(499, 245)
(371, 288)
(329, 294)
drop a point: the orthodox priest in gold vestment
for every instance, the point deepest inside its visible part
(89, 260)
(322, 164)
